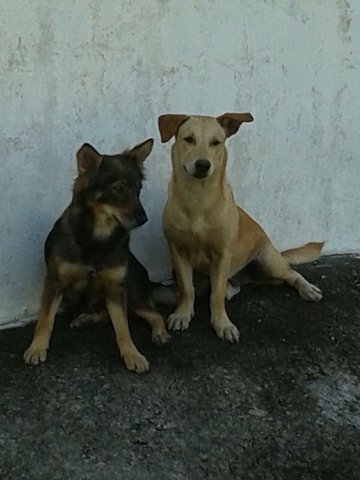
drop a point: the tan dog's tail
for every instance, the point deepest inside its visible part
(305, 254)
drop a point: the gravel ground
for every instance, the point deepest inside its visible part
(282, 404)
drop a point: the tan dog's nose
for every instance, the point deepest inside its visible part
(202, 167)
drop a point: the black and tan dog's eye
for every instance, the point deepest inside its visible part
(215, 142)
(119, 188)
(190, 140)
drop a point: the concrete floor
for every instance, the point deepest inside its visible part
(282, 404)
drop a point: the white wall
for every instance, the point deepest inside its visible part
(102, 71)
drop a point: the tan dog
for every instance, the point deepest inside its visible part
(207, 231)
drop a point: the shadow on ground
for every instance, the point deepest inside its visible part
(282, 404)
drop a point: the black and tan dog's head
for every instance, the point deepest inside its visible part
(199, 148)
(109, 185)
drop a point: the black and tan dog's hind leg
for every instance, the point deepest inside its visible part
(159, 334)
(87, 318)
(277, 266)
(51, 299)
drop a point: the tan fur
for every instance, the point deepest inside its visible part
(77, 276)
(207, 231)
(112, 274)
(133, 359)
(105, 221)
(51, 299)
(159, 334)
(155, 320)
(73, 274)
(308, 253)
(85, 318)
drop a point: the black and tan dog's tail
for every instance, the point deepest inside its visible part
(164, 294)
(305, 254)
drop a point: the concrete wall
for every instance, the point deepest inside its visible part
(102, 71)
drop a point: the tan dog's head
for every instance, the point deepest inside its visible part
(199, 148)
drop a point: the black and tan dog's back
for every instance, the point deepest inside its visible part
(88, 258)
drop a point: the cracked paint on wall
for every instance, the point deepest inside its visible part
(102, 72)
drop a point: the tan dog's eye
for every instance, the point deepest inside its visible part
(215, 142)
(190, 140)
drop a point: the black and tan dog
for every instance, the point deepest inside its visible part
(208, 232)
(87, 253)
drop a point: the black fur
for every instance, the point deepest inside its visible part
(72, 238)
(89, 264)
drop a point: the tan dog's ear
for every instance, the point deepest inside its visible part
(141, 151)
(231, 121)
(88, 159)
(169, 124)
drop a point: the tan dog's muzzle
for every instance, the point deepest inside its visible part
(200, 168)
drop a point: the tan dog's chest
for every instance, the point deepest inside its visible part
(200, 236)
(226, 229)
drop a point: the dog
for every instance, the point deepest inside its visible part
(88, 258)
(207, 232)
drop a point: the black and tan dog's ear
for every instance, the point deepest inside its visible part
(231, 121)
(169, 124)
(141, 151)
(88, 159)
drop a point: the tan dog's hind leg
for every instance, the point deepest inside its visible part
(278, 268)
(132, 357)
(180, 319)
(219, 319)
(159, 334)
(51, 298)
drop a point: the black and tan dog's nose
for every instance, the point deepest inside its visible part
(202, 166)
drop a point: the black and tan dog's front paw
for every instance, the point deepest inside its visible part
(35, 354)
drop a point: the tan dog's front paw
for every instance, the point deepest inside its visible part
(35, 354)
(310, 292)
(136, 362)
(177, 321)
(159, 337)
(226, 331)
